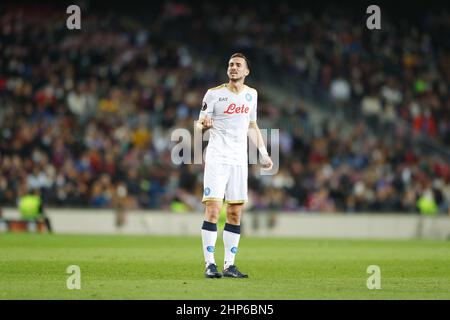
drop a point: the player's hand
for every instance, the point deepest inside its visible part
(207, 123)
(266, 162)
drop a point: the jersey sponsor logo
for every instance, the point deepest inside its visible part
(234, 250)
(207, 191)
(210, 248)
(204, 106)
(248, 97)
(233, 109)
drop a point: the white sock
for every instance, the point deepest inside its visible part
(209, 238)
(231, 242)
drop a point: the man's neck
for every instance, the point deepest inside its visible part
(236, 86)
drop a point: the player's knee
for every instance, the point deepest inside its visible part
(212, 212)
(234, 214)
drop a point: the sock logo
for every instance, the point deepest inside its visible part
(207, 191)
(210, 248)
(234, 250)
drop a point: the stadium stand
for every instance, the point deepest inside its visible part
(86, 116)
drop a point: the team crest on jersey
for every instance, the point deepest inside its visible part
(248, 97)
(204, 106)
(207, 191)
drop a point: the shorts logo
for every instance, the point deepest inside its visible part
(234, 250)
(248, 97)
(210, 248)
(207, 191)
(204, 106)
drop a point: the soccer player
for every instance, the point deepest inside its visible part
(229, 111)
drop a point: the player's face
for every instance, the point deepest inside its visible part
(237, 69)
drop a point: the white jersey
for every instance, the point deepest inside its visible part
(231, 113)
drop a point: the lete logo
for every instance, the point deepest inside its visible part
(233, 109)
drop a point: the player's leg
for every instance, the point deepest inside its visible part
(209, 237)
(236, 196)
(232, 233)
(214, 188)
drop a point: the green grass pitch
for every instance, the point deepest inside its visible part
(33, 266)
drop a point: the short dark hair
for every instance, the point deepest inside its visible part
(240, 55)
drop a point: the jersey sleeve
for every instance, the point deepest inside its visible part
(254, 109)
(207, 105)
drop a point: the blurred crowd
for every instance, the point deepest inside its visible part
(87, 116)
(401, 72)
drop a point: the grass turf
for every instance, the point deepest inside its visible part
(33, 266)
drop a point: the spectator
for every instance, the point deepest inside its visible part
(31, 208)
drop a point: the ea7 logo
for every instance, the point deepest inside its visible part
(73, 281)
(374, 281)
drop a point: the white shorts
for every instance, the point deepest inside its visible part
(225, 181)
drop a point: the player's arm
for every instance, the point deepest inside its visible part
(256, 137)
(205, 121)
